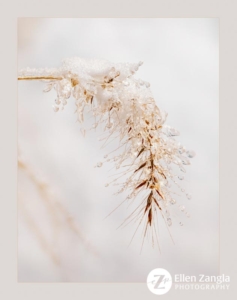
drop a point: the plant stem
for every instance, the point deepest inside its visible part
(40, 78)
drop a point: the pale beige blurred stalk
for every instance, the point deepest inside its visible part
(55, 209)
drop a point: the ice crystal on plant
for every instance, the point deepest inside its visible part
(125, 107)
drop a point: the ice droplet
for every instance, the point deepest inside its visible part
(126, 83)
(48, 88)
(169, 222)
(109, 125)
(147, 84)
(185, 161)
(191, 153)
(57, 101)
(172, 201)
(55, 108)
(83, 131)
(189, 196)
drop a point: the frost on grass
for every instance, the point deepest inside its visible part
(124, 106)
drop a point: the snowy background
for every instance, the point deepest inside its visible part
(62, 235)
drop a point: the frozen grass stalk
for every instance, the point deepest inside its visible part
(124, 106)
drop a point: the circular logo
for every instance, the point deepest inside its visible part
(159, 281)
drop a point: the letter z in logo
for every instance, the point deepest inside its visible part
(159, 281)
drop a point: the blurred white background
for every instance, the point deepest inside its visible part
(181, 62)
